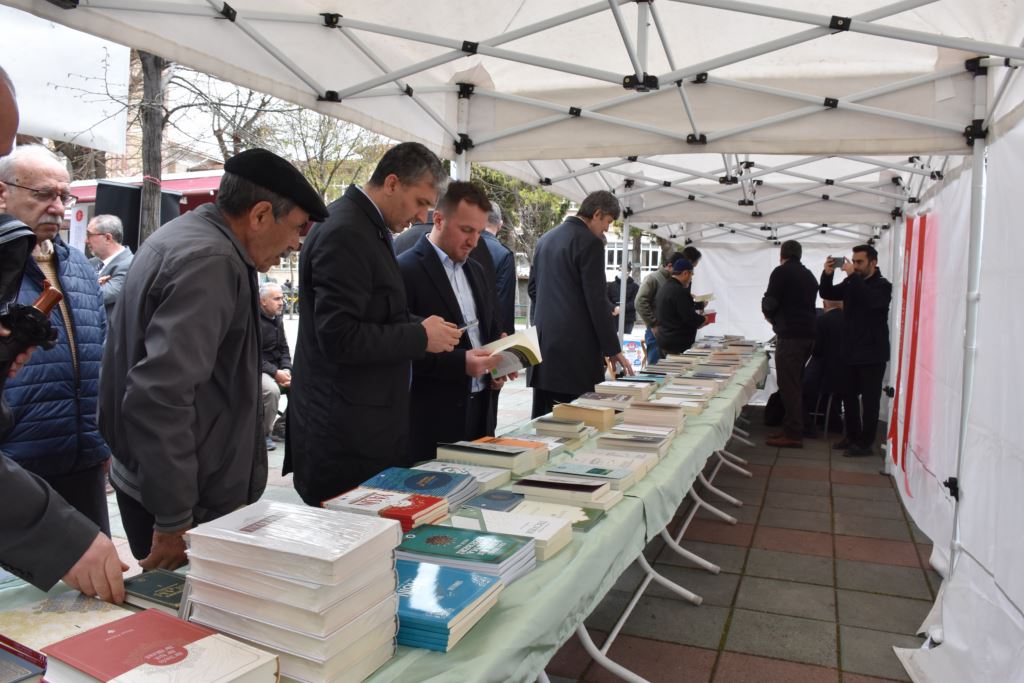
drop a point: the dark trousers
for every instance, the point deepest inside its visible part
(478, 414)
(653, 354)
(864, 392)
(492, 420)
(86, 491)
(791, 356)
(544, 401)
(816, 399)
(138, 524)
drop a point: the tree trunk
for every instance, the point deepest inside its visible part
(152, 116)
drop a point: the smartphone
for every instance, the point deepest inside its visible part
(469, 325)
(838, 261)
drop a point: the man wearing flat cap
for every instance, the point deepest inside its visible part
(180, 386)
(678, 319)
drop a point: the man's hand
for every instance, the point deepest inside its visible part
(480, 362)
(829, 269)
(615, 311)
(623, 362)
(98, 571)
(654, 329)
(103, 279)
(848, 268)
(168, 551)
(441, 335)
(21, 358)
(283, 377)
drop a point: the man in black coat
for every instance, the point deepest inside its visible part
(865, 349)
(349, 400)
(569, 305)
(452, 392)
(788, 304)
(614, 290)
(275, 358)
(678, 319)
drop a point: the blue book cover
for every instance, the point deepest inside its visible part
(413, 641)
(431, 597)
(425, 482)
(503, 501)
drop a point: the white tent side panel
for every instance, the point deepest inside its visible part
(983, 602)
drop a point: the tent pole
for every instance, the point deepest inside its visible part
(462, 122)
(897, 232)
(643, 15)
(976, 240)
(624, 269)
(620, 21)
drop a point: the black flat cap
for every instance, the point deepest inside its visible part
(273, 173)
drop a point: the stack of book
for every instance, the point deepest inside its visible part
(600, 419)
(438, 605)
(633, 442)
(455, 488)
(408, 509)
(633, 429)
(581, 491)
(555, 426)
(313, 586)
(619, 478)
(517, 458)
(594, 399)
(501, 500)
(581, 519)
(641, 463)
(507, 557)
(156, 589)
(640, 390)
(20, 663)
(656, 412)
(688, 404)
(488, 477)
(549, 534)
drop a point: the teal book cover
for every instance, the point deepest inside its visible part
(503, 501)
(158, 585)
(431, 596)
(464, 545)
(425, 482)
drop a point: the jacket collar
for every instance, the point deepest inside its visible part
(428, 258)
(371, 210)
(211, 214)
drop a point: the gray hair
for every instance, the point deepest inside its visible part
(268, 287)
(602, 200)
(9, 163)
(109, 224)
(410, 161)
(494, 217)
(237, 195)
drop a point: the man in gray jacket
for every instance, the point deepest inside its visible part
(111, 259)
(180, 399)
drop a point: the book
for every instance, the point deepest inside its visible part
(157, 589)
(408, 509)
(688, 405)
(378, 646)
(307, 595)
(153, 645)
(704, 298)
(297, 541)
(631, 442)
(549, 535)
(538, 449)
(514, 458)
(455, 488)
(363, 593)
(557, 488)
(488, 477)
(507, 557)
(601, 419)
(20, 664)
(556, 426)
(640, 461)
(55, 618)
(594, 399)
(555, 444)
(500, 500)
(710, 317)
(515, 352)
(380, 617)
(658, 412)
(620, 478)
(640, 390)
(604, 503)
(631, 429)
(583, 519)
(438, 605)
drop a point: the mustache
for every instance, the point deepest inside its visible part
(50, 220)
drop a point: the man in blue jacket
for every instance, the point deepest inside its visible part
(53, 399)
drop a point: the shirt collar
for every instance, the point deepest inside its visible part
(376, 207)
(445, 258)
(106, 261)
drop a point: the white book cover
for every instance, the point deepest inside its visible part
(639, 466)
(489, 477)
(541, 529)
(644, 430)
(367, 501)
(649, 460)
(620, 478)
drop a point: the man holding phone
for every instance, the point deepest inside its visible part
(865, 342)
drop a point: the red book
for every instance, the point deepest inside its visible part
(405, 508)
(710, 316)
(20, 662)
(155, 645)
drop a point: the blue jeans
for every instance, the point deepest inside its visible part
(652, 347)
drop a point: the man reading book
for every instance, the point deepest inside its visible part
(452, 392)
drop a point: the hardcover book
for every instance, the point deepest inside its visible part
(409, 509)
(433, 597)
(441, 484)
(19, 663)
(549, 534)
(157, 589)
(500, 500)
(508, 557)
(56, 618)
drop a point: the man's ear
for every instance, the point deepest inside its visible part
(260, 213)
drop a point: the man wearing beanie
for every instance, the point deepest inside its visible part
(678, 319)
(180, 386)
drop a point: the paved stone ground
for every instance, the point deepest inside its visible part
(823, 573)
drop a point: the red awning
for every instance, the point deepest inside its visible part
(202, 185)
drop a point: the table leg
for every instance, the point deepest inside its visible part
(732, 465)
(673, 543)
(718, 492)
(603, 661)
(743, 440)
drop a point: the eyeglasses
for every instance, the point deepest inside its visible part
(47, 196)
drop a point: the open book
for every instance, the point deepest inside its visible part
(706, 298)
(517, 351)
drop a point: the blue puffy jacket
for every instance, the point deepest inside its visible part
(54, 410)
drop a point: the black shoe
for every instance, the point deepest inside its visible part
(842, 445)
(858, 452)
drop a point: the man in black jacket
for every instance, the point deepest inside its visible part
(788, 304)
(275, 359)
(865, 349)
(348, 413)
(678, 319)
(452, 392)
(614, 289)
(570, 305)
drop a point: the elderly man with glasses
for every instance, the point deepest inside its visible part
(54, 397)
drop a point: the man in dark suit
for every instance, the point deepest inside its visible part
(111, 259)
(504, 269)
(570, 305)
(452, 392)
(349, 398)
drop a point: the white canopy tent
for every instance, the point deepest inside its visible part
(684, 106)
